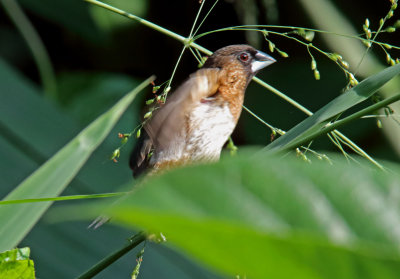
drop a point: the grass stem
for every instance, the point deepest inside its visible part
(107, 261)
(334, 125)
(35, 45)
(189, 42)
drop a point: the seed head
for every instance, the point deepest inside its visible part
(271, 46)
(313, 64)
(317, 75)
(367, 22)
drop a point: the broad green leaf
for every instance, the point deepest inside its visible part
(53, 176)
(274, 218)
(15, 264)
(350, 98)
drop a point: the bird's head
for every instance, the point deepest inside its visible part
(243, 57)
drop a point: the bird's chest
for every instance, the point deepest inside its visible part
(209, 126)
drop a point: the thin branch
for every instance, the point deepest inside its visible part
(110, 259)
(197, 17)
(205, 17)
(190, 42)
(272, 128)
(343, 121)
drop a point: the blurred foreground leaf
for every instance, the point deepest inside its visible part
(52, 177)
(15, 264)
(274, 218)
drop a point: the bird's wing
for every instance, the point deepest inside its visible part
(139, 160)
(165, 125)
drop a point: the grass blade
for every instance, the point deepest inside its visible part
(64, 198)
(357, 94)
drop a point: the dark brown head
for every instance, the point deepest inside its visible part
(244, 56)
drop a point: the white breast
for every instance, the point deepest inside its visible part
(211, 126)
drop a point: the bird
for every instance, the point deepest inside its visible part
(198, 118)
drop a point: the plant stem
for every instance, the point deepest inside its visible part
(139, 19)
(175, 68)
(35, 45)
(104, 263)
(65, 198)
(282, 95)
(369, 47)
(272, 128)
(190, 42)
(356, 148)
(251, 27)
(197, 17)
(151, 25)
(205, 17)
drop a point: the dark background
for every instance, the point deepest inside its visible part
(98, 57)
(77, 44)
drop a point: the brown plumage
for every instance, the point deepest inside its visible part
(200, 115)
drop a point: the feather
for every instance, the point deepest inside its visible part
(139, 160)
(165, 127)
(199, 116)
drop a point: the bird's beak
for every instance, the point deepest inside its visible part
(261, 61)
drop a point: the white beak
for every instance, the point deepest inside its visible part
(261, 61)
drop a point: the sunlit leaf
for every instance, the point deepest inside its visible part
(15, 264)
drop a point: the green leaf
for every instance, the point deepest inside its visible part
(350, 98)
(53, 176)
(15, 264)
(274, 218)
(64, 198)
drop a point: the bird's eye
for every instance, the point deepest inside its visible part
(244, 56)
